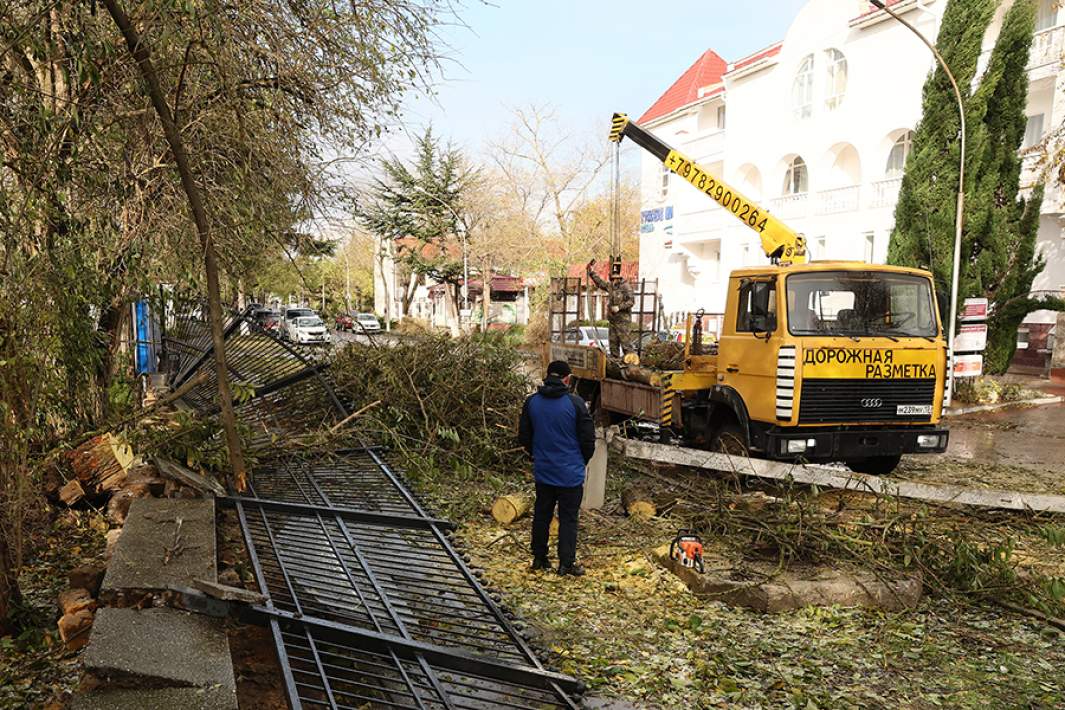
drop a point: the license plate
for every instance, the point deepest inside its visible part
(904, 409)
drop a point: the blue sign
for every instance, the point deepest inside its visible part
(659, 214)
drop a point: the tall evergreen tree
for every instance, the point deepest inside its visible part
(423, 205)
(998, 255)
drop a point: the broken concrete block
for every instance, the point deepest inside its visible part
(165, 543)
(159, 648)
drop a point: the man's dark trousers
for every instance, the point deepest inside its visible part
(569, 508)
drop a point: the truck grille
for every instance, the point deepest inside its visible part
(838, 400)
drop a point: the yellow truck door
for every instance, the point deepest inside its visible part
(747, 351)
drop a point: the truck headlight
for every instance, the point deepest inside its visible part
(796, 446)
(929, 441)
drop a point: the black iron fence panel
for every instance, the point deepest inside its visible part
(368, 602)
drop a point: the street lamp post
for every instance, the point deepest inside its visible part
(959, 216)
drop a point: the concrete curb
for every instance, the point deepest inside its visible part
(1038, 401)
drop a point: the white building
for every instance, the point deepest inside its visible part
(816, 128)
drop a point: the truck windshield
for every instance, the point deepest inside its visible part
(861, 303)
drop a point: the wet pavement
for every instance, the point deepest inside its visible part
(1029, 437)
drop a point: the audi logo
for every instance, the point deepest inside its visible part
(872, 403)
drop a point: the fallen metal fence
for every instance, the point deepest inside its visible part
(368, 601)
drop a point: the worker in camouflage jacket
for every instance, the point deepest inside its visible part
(619, 308)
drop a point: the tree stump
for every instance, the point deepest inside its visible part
(637, 503)
(506, 509)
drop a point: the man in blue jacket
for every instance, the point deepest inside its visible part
(557, 431)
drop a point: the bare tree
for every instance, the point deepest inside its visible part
(549, 173)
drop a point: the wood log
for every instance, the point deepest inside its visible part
(74, 629)
(506, 509)
(72, 492)
(101, 463)
(635, 373)
(72, 601)
(637, 503)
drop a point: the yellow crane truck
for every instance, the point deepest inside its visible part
(815, 361)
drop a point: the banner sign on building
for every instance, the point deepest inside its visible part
(648, 218)
(968, 365)
(972, 338)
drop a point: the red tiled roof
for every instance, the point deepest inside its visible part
(706, 71)
(770, 51)
(873, 8)
(428, 250)
(630, 270)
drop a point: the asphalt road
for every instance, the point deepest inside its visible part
(1032, 437)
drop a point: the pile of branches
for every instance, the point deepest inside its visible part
(447, 402)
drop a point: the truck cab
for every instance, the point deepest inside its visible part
(823, 361)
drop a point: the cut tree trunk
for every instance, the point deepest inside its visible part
(637, 503)
(71, 493)
(509, 508)
(101, 464)
(142, 55)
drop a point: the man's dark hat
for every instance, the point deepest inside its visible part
(559, 368)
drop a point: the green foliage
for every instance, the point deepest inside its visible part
(190, 439)
(450, 404)
(998, 254)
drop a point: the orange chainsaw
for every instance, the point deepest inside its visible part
(687, 548)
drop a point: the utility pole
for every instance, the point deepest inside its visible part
(347, 280)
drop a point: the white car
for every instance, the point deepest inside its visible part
(588, 336)
(308, 329)
(367, 323)
(288, 320)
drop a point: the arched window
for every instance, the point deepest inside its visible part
(896, 160)
(796, 178)
(802, 89)
(835, 78)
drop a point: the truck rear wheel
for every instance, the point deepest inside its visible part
(875, 465)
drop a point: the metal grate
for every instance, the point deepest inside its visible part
(368, 602)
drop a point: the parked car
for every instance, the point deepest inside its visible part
(266, 318)
(308, 329)
(367, 322)
(288, 319)
(344, 321)
(587, 335)
(649, 337)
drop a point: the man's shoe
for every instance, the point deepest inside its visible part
(573, 570)
(540, 563)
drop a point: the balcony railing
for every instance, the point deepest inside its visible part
(1047, 47)
(791, 206)
(886, 192)
(840, 199)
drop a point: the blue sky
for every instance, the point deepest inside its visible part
(586, 58)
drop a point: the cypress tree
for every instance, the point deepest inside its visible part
(998, 255)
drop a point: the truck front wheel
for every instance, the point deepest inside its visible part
(875, 465)
(731, 439)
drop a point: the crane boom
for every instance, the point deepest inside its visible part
(780, 243)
